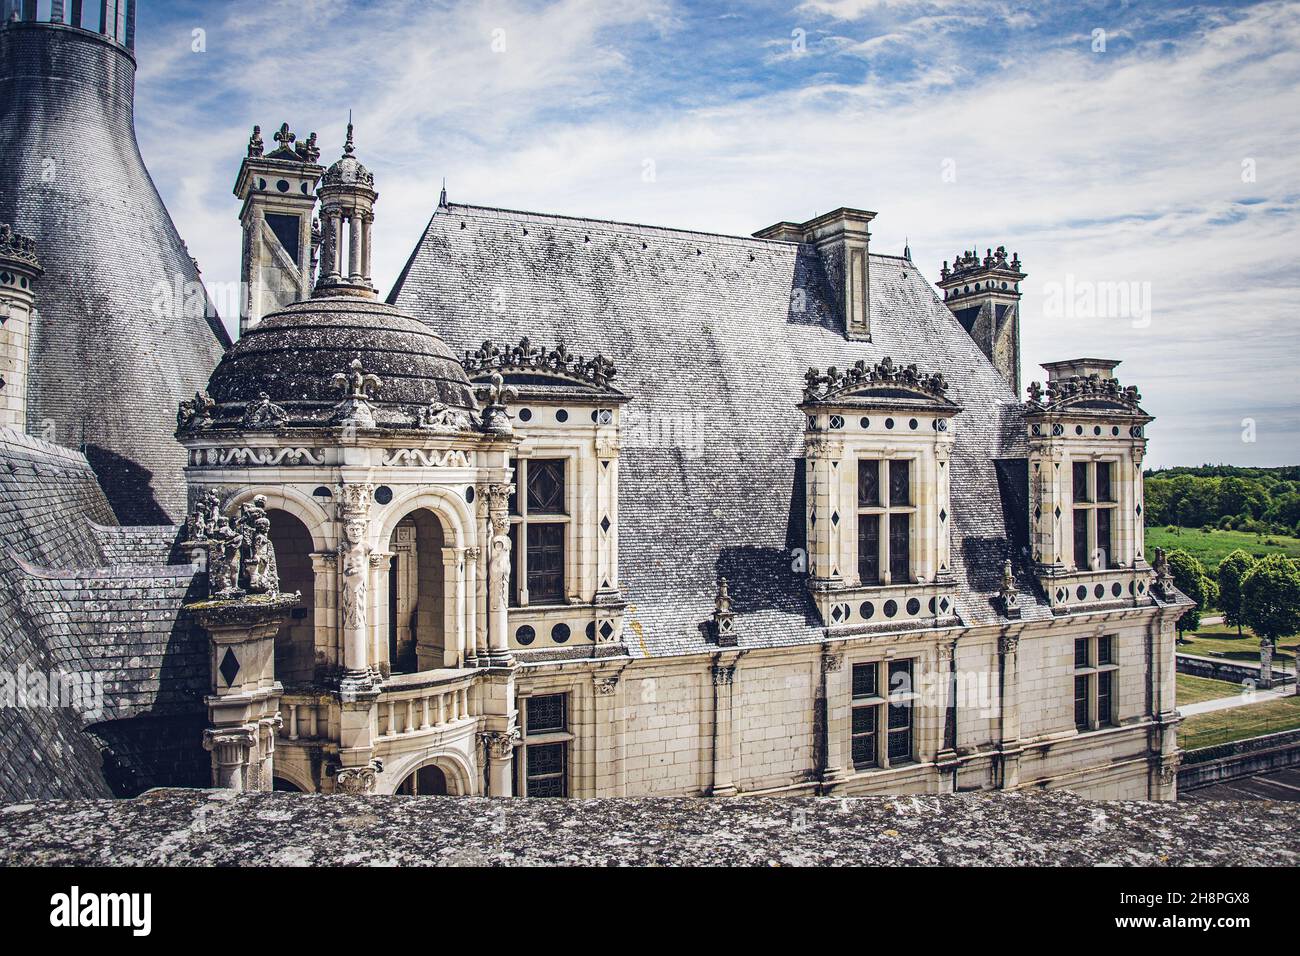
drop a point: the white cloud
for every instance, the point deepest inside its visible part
(1102, 167)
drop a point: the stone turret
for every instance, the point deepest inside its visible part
(984, 295)
(347, 195)
(19, 270)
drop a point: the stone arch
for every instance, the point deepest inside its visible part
(295, 643)
(447, 503)
(459, 773)
(289, 499)
(291, 776)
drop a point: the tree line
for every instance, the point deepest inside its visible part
(1258, 500)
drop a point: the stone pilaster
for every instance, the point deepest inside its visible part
(1009, 749)
(836, 715)
(499, 575)
(724, 673)
(354, 574)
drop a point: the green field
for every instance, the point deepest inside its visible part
(1193, 690)
(1238, 723)
(1212, 548)
(1220, 640)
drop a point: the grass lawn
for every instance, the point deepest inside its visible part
(1193, 690)
(1238, 723)
(1212, 548)
(1220, 640)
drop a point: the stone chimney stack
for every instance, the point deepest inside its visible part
(19, 270)
(279, 194)
(984, 295)
(840, 239)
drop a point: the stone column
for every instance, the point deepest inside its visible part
(499, 575)
(724, 672)
(500, 749)
(354, 248)
(244, 706)
(476, 649)
(354, 574)
(1009, 704)
(454, 638)
(1265, 664)
(946, 759)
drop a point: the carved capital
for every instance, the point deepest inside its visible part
(833, 663)
(723, 674)
(356, 780)
(1008, 643)
(354, 499)
(500, 744)
(605, 686)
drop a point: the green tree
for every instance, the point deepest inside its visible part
(1270, 595)
(1190, 578)
(1232, 569)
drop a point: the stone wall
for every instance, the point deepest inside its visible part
(198, 828)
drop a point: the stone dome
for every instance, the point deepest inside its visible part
(292, 357)
(348, 171)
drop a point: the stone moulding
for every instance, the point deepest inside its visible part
(1079, 388)
(431, 458)
(525, 357)
(863, 379)
(265, 457)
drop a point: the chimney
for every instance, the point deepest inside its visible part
(840, 239)
(984, 295)
(279, 193)
(19, 270)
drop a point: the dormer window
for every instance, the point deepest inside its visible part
(885, 524)
(1093, 513)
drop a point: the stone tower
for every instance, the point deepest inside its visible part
(347, 195)
(125, 329)
(279, 193)
(19, 270)
(984, 295)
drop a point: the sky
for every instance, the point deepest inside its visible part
(1142, 158)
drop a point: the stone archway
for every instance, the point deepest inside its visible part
(295, 645)
(453, 773)
(415, 628)
(427, 781)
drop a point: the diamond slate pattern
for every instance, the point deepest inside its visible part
(707, 344)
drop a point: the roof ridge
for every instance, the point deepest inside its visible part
(561, 218)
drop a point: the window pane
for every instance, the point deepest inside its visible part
(545, 563)
(1081, 652)
(547, 770)
(869, 548)
(1081, 481)
(1106, 649)
(1081, 538)
(546, 486)
(1081, 702)
(868, 483)
(1103, 481)
(900, 734)
(1105, 683)
(900, 483)
(511, 576)
(900, 548)
(900, 677)
(864, 680)
(544, 715)
(1103, 537)
(864, 736)
(514, 495)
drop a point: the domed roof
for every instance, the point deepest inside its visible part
(293, 359)
(347, 169)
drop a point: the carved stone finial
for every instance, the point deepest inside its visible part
(195, 414)
(860, 376)
(526, 357)
(724, 619)
(356, 382)
(240, 555)
(284, 138)
(264, 413)
(255, 145)
(307, 150)
(1009, 594)
(1164, 583)
(349, 146)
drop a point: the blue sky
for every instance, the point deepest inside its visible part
(1150, 183)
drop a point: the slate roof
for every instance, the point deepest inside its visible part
(80, 595)
(710, 347)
